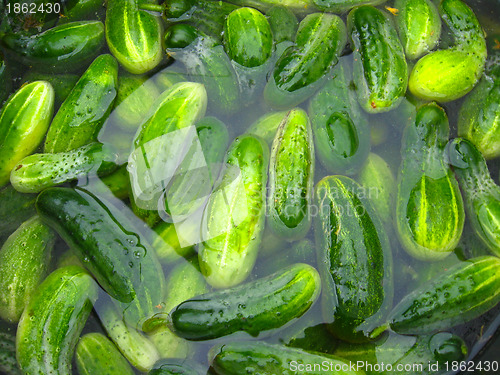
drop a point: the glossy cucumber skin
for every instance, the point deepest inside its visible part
(380, 81)
(84, 111)
(255, 307)
(95, 354)
(460, 67)
(63, 48)
(8, 362)
(339, 6)
(299, 71)
(291, 176)
(419, 26)
(40, 171)
(16, 208)
(61, 83)
(133, 36)
(261, 358)
(481, 194)
(429, 207)
(24, 263)
(109, 247)
(340, 127)
(24, 119)
(354, 259)
(233, 219)
(247, 37)
(50, 326)
(460, 294)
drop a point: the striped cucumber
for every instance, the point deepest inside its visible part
(61, 83)
(291, 176)
(429, 208)
(354, 258)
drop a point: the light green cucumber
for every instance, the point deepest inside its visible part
(266, 125)
(291, 176)
(24, 119)
(233, 219)
(61, 83)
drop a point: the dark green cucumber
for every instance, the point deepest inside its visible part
(283, 23)
(180, 35)
(24, 119)
(50, 326)
(177, 367)
(76, 10)
(84, 111)
(449, 74)
(464, 292)
(107, 244)
(255, 307)
(267, 125)
(380, 70)
(16, 208)
(61, 83)
(299, 71)
(481, 194)
(40, 171)
(95, 354)
(133, 35)
(419, 26)
(354, 258)
(252, 357)
(233, 220)
(24, 263)
(63, 48)
(429, 208)
(340, 127)
(291, 176)
(8, 362)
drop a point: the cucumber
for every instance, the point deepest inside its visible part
(180, 35)
(24, 119)
(49, 328)
(233, 219)
(340, 127)
(429, 208)
(76, 10)
(61, 83)
(312, 338)
(175, 367)
(464, 292)
(339, 6)
(133, 36)
(64, 48)
(37, 172)
(380, 70)
(8, 362)
(267, 125)
(354, 259)
(291, 176)
(118, 182)
(95, 354)
(84, 111)
(24, 263)
(299, 71)
(107, 244)
(419, 26)
(16, 208)
(283, 23)
(481, 194)
(261, 358)
(255, 307)
(449, 74)
(167, 245)
(299, 7)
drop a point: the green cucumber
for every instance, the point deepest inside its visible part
(84, 111)
(118, 182)
(133, 36)
(340, 6)
(8, 362)
(267, 125)
(481, 194)
(429, 207)
(449, 74)
(419, 26)
(312, 338)
(299, 71)
(24, 263)
(380, 70)
(298, 7)
(168, 77)
(176, 367)
(40, 171)
(95, 354)
(49, 328)
(233, 220)
(24, 119)
(107, 244)
(255, 307)
(16, 208)
(340, 127)
(291, 176)
(252, 357)
(354, 258)
(464, 292)
(61, 83)
(76, 10)
(283, 23)
(180, 35)
(167, 244)
(247, 37)
(63, 48)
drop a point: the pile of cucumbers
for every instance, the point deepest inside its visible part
(200, 186)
